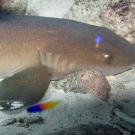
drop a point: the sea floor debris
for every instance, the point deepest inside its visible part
(23, 121)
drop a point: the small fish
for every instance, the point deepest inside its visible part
(42, 107)
(98, 39)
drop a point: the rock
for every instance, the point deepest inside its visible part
(93, 82)
(26, 121)
(31, 120)
(8, 121)
(23, 121)
(26, 125)
(92, 129)
(86, 81)
(17, 7)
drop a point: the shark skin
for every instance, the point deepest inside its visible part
(34, 49)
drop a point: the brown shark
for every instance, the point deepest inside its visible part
(35, 50)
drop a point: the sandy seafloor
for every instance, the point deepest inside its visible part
(77, 108)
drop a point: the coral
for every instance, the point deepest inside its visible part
(122, 7)
(86, 81)
(120, 17)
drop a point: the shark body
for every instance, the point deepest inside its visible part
(39, 48)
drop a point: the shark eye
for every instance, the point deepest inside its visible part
(107, 56)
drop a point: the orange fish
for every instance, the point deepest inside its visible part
(42, 107)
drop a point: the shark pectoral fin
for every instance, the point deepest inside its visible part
(24, 88)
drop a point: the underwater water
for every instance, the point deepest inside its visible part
(84, 102)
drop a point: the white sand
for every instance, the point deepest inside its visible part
(49, 8)
(78, 108)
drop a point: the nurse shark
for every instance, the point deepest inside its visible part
(36, 50)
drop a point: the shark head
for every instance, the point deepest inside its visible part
(114, 54)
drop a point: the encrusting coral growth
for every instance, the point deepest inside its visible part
(118, 15)
(86, 81)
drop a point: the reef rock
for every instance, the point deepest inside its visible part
(86, 81)
(17, 7)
